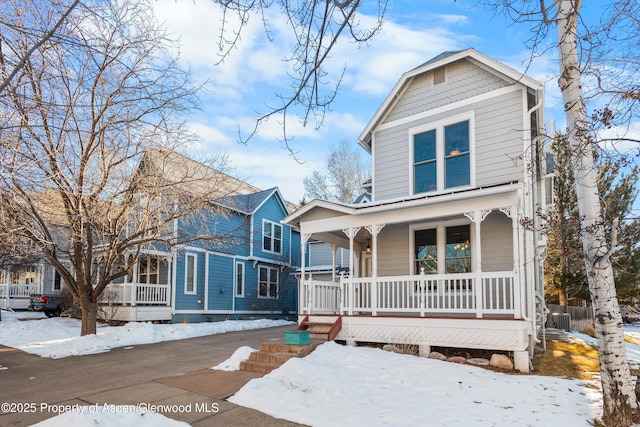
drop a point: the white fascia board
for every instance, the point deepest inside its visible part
(412, 210)
(293, 219)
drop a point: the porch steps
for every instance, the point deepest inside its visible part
(321, 327)
(273, 355)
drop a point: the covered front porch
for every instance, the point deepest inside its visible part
(453, 270)
(144, 295)
(15, 296)
(18, 282)
(467, 295)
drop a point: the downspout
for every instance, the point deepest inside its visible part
(538, 283)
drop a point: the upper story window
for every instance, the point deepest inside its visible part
(271, 237)
(442, 157)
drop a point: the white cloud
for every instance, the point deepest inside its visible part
(623, 140)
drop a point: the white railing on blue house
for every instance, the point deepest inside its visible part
(476, 294)
(132, 294)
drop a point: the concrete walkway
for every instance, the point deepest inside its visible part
(171, 377)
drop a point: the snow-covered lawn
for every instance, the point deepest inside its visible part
(60, 337)
(337, 385)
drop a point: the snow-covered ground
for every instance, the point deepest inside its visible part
(60, 336)
(337, 385)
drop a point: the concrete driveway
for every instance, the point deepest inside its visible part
(171, 375)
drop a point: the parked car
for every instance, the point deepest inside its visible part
(52, 305)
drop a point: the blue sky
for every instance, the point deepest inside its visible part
(414, 31)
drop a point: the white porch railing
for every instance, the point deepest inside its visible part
(19, 293)
(138, 293)
(317, 296)
(14, 290)
(479, 294)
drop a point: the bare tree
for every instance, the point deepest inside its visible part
(32, 26)
(343, 178)
(317, 26)
(89, 174)
(585, 52)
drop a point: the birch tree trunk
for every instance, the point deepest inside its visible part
(620, 403)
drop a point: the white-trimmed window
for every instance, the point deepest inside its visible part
(239, 279)
(271, 237)
(441, 155)
(443, 250)
(57, 282)
(190, 277)
(268, 282)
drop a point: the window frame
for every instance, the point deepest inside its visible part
(239, 268)
(194, 291)
(269, 270)
(441, 245)
(272, 238)
(58, 283)
(442, 157)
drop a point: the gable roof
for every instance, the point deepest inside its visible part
(203, 180)
(448, 57)
(249, 203)
(192, 176)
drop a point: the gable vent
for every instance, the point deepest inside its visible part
(438, 75)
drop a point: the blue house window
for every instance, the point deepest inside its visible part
(190, 274)
(271, 237)
(268, 282)
(442, 158)
(239, 279)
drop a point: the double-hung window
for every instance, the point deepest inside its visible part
(271, 237)
(442, 157)
(268, 282)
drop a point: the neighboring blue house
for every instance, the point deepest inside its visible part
(249, 276)
(246, 272)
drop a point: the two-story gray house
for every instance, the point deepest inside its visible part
(446, 252)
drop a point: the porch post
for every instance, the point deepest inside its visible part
(512, 213)
(303, 297)
(374, 230)
(477, 217)
(351, 233)
(333, 262)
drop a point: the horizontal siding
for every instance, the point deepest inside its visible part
(221, 290)
(287, 295)
(272, 211)
(496, 234)
(391, 163)
(189, 301)
(320, 254)
(463, 80)
(393, 250)
(499, 144)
